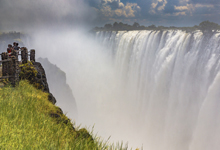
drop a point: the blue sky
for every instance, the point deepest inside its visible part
(23, 14)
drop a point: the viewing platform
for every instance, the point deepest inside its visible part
(9, 69)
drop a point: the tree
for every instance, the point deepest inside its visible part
(136, 25)
(120, 25)
(142, 27)
(108, 26)
(152, 26)
(208, 26)
(115, 25)
(161, 27)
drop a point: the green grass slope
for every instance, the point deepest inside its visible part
(25, 122)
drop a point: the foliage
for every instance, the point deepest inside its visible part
(206, 25)
(25, 123)
(136, 25)
(152, 26)
(108, 26)
(5, 81)
(203, 26)
(28, 72)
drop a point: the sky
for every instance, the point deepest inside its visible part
(158, 12)
(20, 14)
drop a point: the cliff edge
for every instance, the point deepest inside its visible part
(56, 79)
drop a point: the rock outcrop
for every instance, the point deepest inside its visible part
(35, 74)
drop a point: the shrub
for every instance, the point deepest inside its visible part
(28, 72)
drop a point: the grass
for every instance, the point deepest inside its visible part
(0, 70)
(1, 84)
(25, 123)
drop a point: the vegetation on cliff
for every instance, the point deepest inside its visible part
(26, 122)
(29, 73)
(29, 120)
(203, 26)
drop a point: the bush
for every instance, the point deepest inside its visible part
(28, 72)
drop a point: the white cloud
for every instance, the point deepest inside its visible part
(204, 5)
(128, 10)
(181, 8)
(190, 8)
(157, 6)
(154, 5)
(162, 6)
(115, 8)
(180, 13)
(107, 11)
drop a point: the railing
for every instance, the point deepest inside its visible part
(10, 63)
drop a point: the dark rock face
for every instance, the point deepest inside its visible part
(56, 79)
(41, 77)
(51, 98)
(54, 115)
(35, 74)
(58, 117)
(42, 80)
(83, 133)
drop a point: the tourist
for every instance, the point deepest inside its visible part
(9, 49)
(15, 46)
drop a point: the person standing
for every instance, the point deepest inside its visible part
(15, 46)
(9, 49)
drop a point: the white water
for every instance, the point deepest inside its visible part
(172, 81)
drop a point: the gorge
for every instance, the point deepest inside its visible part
(147, 74)
(153, 88)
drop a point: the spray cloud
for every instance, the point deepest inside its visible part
(58, 31)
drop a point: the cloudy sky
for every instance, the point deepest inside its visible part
(32, 13)
(159, 12)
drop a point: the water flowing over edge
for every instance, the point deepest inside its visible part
(172, 78)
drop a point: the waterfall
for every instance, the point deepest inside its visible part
(172, 78)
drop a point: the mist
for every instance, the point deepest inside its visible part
(59, 32)
(159, 91)
(30, 16)
(95, 83)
